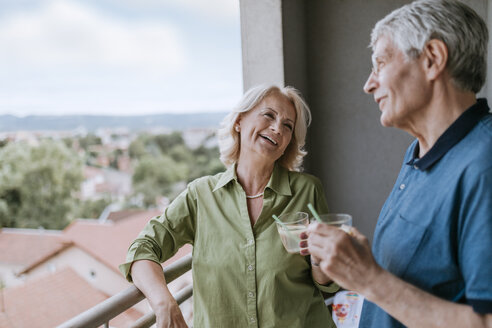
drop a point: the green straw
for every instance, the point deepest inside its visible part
(316, 216)
(283, 226)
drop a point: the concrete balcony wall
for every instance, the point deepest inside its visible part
(321, 47)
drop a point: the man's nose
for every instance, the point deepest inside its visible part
(371, 83)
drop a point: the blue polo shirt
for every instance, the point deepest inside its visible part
(435, 229)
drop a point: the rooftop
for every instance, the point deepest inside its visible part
(32, 304)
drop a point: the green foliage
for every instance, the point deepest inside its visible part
(164, 160)
(206, 162)
(166, 142)
(91, 209)
(155, 176)
(156, 145)
(89, 140)
(37, 183)
(137, 147)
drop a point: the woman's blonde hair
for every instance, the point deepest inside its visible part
(294, 153)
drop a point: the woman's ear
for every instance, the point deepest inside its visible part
(237, 124)
(435, 58)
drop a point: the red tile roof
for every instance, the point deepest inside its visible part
(106, 241)
(25, 246)
(53, 299)
(124, 214)
(109, 241)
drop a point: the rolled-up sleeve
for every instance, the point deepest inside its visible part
(330, 288)
(164, 235)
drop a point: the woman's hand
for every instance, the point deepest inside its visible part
(170, 316)
(149, 278)
(318, 275)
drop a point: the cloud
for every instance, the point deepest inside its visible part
(221, 9)
(224, 10)
(69, 33)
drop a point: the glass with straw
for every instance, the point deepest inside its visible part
(339, 220)
(290, 226)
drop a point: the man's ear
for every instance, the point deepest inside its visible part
(435, 58)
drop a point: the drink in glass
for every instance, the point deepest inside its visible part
(293, 224)
(340, 220)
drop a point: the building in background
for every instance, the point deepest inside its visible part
(71, 270)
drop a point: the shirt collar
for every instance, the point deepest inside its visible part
(456, 131)
(279, 181)
(229, 175)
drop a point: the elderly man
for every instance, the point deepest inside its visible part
(431, 261)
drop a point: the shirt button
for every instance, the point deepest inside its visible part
(250, 267)
(251, 294)
(252, 319)
(416, 167)
(402, 186)
(250, 241)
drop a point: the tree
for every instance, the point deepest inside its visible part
(89, 140)
(37, 184)
(206, 162)
(137, 147)
(167, 141)
(91, 209)
(155, 176)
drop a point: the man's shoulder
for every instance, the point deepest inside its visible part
(485, 126)
(478, 143)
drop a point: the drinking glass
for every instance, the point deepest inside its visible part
(340, 220)
(293, 224)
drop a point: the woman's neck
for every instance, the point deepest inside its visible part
(253, 177)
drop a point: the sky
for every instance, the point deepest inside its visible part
(119, 57)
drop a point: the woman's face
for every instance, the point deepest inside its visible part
(266, 130)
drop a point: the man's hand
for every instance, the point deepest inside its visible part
(344, 257)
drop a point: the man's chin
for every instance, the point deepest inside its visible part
(384, 121)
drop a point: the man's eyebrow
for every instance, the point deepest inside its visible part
(379, 57)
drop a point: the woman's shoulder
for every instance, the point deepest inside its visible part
(207, 181)
(303, 178)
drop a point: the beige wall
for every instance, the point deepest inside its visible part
(322, 47)
(99, 275)
(7, 274)
(103, 278)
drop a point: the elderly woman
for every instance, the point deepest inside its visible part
(243, 276)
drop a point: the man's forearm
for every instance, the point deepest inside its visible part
(417, 308)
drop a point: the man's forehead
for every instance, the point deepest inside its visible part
(383, 47)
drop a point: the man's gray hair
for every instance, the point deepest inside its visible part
(462, 30)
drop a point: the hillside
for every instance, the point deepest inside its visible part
(93, 122)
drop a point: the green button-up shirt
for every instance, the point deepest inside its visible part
(242, 275)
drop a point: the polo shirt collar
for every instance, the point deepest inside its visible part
(456, 131)
(279, 181)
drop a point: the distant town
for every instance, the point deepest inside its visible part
(72, 200)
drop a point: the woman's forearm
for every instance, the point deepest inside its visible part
(148, 277)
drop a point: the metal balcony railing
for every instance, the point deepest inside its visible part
(102, 313)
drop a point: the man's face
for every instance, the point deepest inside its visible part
(398, 84)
